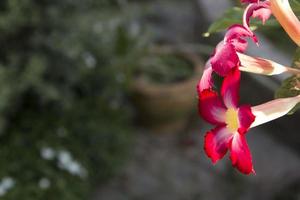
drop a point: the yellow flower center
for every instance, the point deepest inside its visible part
(231, 119)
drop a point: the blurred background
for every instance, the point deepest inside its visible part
(98, 101)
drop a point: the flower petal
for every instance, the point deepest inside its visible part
(246, 118)
(206, 79)
(224, 59)
(211, 107)
(263, 66)
(240, 44)
(237, 31)
(216, 143)
(230, 89)
(240, 154)
(260, 10)
(249, 1)
(283, 12)
(273, 109)
(263, 13)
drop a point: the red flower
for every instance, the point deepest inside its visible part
(249, 1)
(232, 122)
(206, 80)
(225, 57)
(260, 10)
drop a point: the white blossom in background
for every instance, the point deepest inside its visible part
(6, 184)
(64, 158)
(44, 183)
(89, 60)
(2, 192)
(47, 153)
(66, 162)
(134, 29)
(76, 169)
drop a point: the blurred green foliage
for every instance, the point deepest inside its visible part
(234, 15)
(291, 86)
(64, 119)
(165, 68)
(137, 53)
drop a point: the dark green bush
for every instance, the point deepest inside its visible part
(63, 114)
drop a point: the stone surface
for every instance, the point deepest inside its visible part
(170, 167)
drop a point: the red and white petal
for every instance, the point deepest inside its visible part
(263, 66)
(206, 79)
(263, 13)
(260, 10)
(273, 109)
(238, 31)
(216, 143)
(224, 59)
(240, 154)
(249, 1)
(230, 89)
(246, 118)
(240, 45)
(211, 107)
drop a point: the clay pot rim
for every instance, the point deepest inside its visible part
(140, 84)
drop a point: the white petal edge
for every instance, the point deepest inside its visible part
(273, 109)
(263, 66)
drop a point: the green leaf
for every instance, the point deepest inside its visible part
(291, 86)
(235, 16)
(231, 16)
(296, 60)
(295, 4)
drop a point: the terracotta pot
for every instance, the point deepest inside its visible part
(167, 107)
